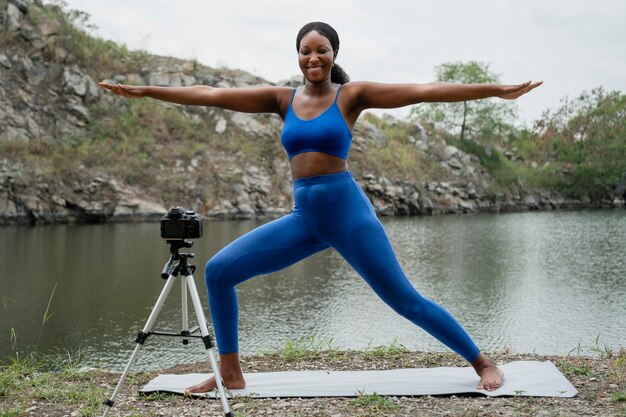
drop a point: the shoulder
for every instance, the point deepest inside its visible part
(283, 97)
(353, 94)
(357, 89)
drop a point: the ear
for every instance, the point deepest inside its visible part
(335, 53)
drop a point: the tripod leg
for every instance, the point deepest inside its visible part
(195, 298)
(185, 313)
(141, 338)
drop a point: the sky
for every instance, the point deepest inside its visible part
(572, 45)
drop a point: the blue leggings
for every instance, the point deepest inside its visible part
(329, 210)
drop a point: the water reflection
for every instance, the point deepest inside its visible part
(530, 281)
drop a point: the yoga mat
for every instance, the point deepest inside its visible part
(524, 378)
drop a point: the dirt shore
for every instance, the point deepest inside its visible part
(601, 383)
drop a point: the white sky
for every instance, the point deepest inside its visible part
(573, 45)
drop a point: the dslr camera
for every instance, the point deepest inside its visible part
(179, 223)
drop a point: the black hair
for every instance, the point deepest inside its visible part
(337, 74)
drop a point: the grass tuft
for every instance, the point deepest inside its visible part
(571, 369)
(375, 403)
(385, 351)
(305, 347)
(619, 396)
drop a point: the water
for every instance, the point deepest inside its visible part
(544, 282)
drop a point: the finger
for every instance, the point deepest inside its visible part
(122, 90)
(109, 88)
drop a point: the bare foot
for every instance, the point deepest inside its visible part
(230, 370)
(491, 376)
(209, 385)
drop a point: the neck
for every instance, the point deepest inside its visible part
(320, 88)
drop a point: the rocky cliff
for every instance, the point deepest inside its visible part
(70, 152)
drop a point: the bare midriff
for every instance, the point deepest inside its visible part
(316, 163)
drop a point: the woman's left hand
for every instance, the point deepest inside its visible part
(511, 92)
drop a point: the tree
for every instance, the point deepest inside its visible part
(588, 136)
(483, 120)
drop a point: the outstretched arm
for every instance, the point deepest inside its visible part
(249, 100)
(386, 96)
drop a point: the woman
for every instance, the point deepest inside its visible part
(330, 209)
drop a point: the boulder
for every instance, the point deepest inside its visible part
(5, 61)
(22, 5)
(13, 16)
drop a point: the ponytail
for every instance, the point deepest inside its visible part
(338, 75)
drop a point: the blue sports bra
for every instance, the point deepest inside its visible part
(327, 133)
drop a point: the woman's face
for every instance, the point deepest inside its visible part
(316, 57)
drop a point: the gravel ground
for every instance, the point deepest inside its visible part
(601, 383)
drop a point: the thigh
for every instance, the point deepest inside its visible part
(353, 229)
(268, 248)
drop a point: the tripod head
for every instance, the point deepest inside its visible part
(172, 269)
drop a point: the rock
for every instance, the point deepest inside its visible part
(373, 132)
(77, 83)
(449, 151)
(33, 127)
(187, 80)
(5, 61)
(14, 15)
(421, 145)
(369, 176)
(136, 207)
(73, 82)
(22, 5)
(394, 191)
(246, 210)
(427, 205)
(530, 202)
(382, 208)
(467, 206)
(159, 79)
(374, 188)
(293, 81)
(48, 27)
(35, 74)
(80, 112)
(247, 122)
(454, 163)
(16, 133)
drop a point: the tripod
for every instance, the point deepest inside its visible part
(170, 273)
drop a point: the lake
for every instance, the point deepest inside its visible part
(544, 282)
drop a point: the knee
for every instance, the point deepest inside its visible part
(414, 308)
(213, 271)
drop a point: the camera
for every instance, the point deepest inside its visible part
(179, 223)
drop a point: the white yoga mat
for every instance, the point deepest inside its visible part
(526, 378)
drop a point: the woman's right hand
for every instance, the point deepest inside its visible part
(128, 91)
